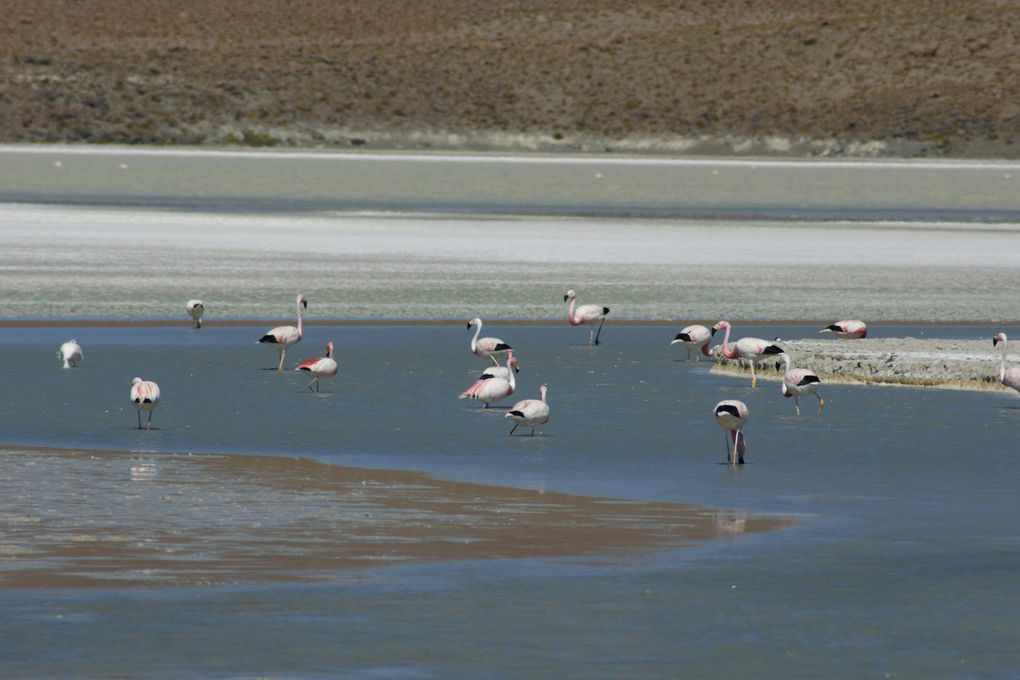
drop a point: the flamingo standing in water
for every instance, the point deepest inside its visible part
(320, 367)
(586, 314)
(486, 347)
(196, 308)
(731, 414)
(285, 336)
(752, 349)
(145, 397)
(694, 337)
(492, 389)
(851, 329)
(1010, 377)
(70, 353)
(530, 412)
(798, 381)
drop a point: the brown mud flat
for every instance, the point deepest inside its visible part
(73, 518)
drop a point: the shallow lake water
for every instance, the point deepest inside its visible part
(902, 555)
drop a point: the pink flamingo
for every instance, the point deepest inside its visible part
(694, 337)
(320, 367)
(285, 336)
(798, 381)
(586, 314)
(731, 414)
(851, 329)
(1009, 377)
(752, 349)
(70, 353)
(530, 412)
(492, 389)
(486, 347)
(145, 397)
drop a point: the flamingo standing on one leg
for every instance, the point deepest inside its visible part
(1010, 377)
(798, 381)
(530, 412)
(70, 353)
(694, 337)
(486, 347)
(488, 390)
(285, 336)
(731, 414)
(752, 349)
(145, 397)
(848, 329)
(586, 314)
(196, 308)
(320, 367)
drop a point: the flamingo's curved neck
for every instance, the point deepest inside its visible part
(728, 352)
(300, 323)
(474, 340)
(786, 363)
(543, 392)
(329, 351)
(1002, 364)
(570, 312)
(510, 369)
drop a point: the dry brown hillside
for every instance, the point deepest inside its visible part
(931, 76)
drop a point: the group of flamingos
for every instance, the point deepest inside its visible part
(498, 382)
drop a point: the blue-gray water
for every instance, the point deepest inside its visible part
(905, 559)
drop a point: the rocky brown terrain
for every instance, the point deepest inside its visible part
(911, 77)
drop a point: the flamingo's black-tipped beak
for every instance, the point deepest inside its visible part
(995, 342)
(714, 329)
(565, 297)
(469, 324)
(304, 303)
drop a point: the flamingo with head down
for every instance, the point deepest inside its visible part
(799, 381)
(145, 397)
(752, 349)
(1010, 377)
(285, 336)
(848, 329)
(586, 314)
(731, 415)
(694, 337)
(196, 308)
(70, 353)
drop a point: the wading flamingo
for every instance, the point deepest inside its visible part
(488, 390)
(586, 314)
(731, 415)
(70, 353)
(486, 347)
(530, 412)
(145, 397)
(1010, 377)
(285, 336)
(798, 381)
(848, 329)
(196, 308)
(752, 349)
(320, 367)
(694, 337)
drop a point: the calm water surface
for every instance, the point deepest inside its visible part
(905, 559)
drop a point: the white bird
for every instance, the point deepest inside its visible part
(752, 349)
(285, 336)
(321, 367)
(145, 397)
(731, 414)
(847, 329)
(70, 353)
(694, 337)
(1010, 377)
(195, 310)
(799, 381)
(488, 390)
(530, 412)
(586, 314)
(486, 347)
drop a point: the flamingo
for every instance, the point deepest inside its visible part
(145, 397)
(195, 309)
(1010, 377)
(694, 337)
(70, 353)
(486, 347)
(493, 389)
(530, 412)
(798, 381)
(586, 314)
(320, 367)
(752, 349)
(731, 414)
(285, 336)
(848, 329)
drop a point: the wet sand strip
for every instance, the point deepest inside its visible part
(73, 518)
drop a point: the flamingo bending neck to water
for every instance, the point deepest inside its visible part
(196, 308)
(320, 367)
(798, 381)
(694, 337)
(489, 389)
(731, 415)
(586, 314)
(1010, 377)
(486, 347)
(70, 353)
(752, 349)
(848, 329)
(285, 336)
(145, 397)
